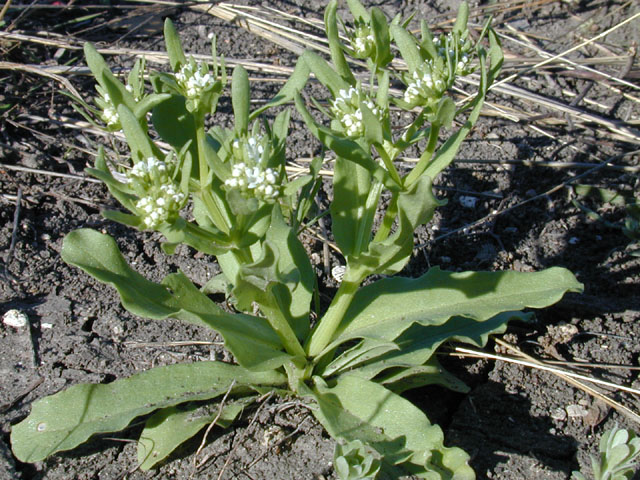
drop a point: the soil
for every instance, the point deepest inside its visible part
(516, 422)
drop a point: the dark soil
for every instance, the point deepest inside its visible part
(516, 423)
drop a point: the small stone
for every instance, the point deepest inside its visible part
(559, 414)
(576, 411)
(468, 201)
(46, 326)
(337, 272)
(15, 319)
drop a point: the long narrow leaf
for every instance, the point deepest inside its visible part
(68, 418)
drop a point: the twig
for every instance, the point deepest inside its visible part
(494, 214)
(5, 7)
(134, 344)
(215, 420)
(540, 365)
(612, 403)
(573, 49)
(42, 72)
(244, 434)
(16, 222)
(277, 444)
(19, 168)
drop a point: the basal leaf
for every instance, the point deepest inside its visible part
(389, 306)
(358, 409)
(68, 418)
(417, 345)
(253, 342)
(168, 428)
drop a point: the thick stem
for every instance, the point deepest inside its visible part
(326, 328)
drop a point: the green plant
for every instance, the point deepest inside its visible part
(619, 453)
(356, 461)
(225, 192)
(631, 225)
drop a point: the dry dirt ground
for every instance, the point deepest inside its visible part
(542, 134)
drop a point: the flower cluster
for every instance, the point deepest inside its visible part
(362, 40)
(429, 82)
(160, 200)
(462, 51)
(248, 175)
(109, 114)
(194, 79)
(346, 108)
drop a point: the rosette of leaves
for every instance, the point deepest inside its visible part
(355, 461)
(619, 453)
(371, 344)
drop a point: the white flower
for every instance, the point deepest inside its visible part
(193, 81)
(362, 40)
(426, 85)
(347, 110)
(248, 175)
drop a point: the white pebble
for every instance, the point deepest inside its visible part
(337, 272)
(467, 201)
(15, 319)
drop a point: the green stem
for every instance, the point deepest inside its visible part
(326, 328)
(387, 221)
(203, 166)
(425, 158)
(388, 163)
(365, 222)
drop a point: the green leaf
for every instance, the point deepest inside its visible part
(446, 112)
(401, 379)
(351, 185)
(372, 126)
(415, 207)
(137, 138)
(418, 343)
(176, 126)
(281, 281)
(168, 428)
(294, 85)
(358, 409)
(252, 341)
(344, 77)
(240, 98)
(387, 307)
(380, 29)
(68, 418)
(174, 48)
(324, 73)
(463, 17)
(408, 47)
(358, 11)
